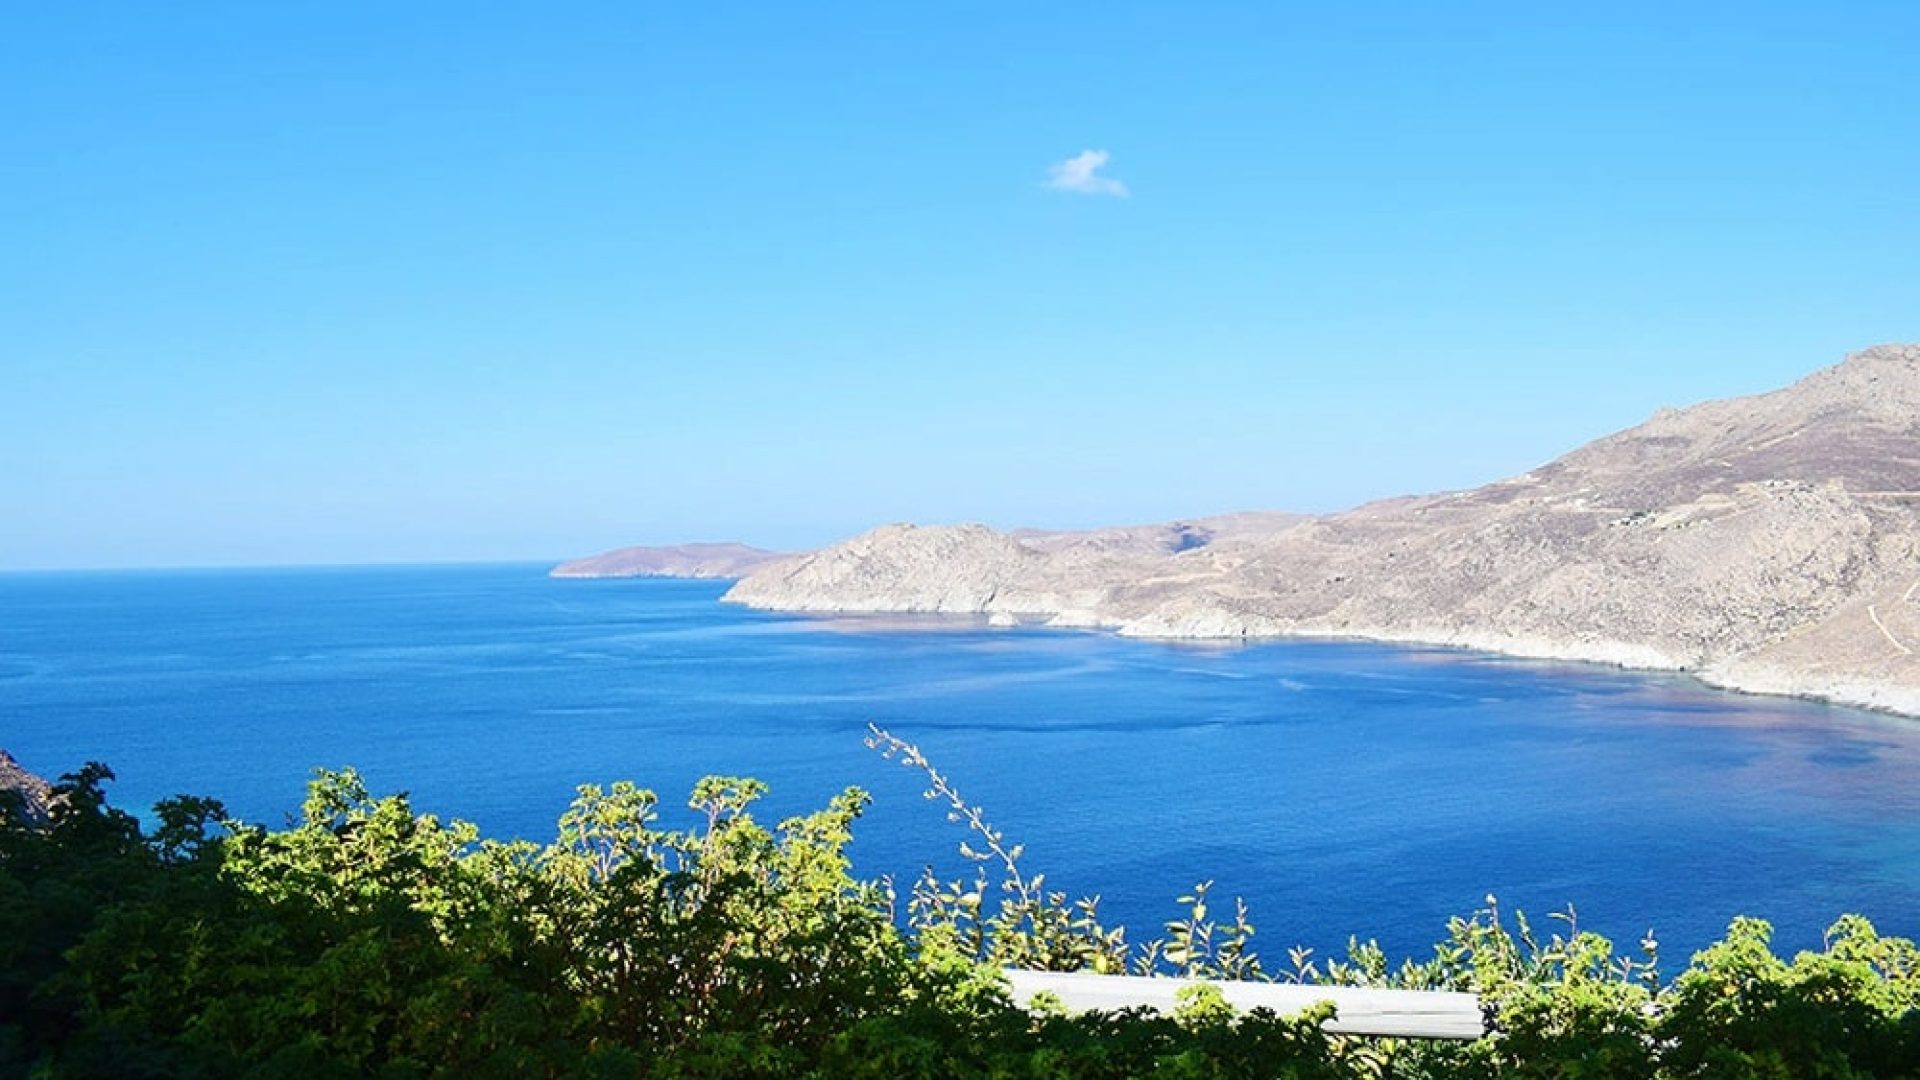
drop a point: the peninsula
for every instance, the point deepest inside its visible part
(724, 560)
(1768, 544)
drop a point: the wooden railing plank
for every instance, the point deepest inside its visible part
(1417, 1014)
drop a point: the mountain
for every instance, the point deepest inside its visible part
(1767, 543)
(1170, 538)
(724, 560)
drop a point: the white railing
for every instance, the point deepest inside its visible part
(1414, 1014)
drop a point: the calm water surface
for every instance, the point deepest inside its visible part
(1341, 788)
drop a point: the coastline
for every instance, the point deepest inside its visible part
(1733, 676)
(1767, 544)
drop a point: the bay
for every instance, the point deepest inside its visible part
(1342, 788)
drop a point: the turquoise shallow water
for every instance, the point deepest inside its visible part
(1341, 788)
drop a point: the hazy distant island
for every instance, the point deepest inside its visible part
(722, 560)
(1766, 544)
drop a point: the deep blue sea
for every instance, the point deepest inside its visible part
(1341, 788)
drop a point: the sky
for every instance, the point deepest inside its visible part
(343, 282)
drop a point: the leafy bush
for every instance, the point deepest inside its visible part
(367, 939)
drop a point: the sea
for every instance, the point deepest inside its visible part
(1342, 789)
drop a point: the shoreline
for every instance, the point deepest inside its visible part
(1767, 544)
(1728, 677)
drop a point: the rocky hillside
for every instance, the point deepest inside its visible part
(680, 561)
(35, 794)
(1767, 543)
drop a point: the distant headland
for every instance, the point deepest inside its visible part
(722, 560)
(1768, 544)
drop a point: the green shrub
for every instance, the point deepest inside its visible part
(367, 939)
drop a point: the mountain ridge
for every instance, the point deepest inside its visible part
(725, 559)
(1768, 543)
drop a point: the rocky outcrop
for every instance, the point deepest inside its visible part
(1170, 538)
(36, 795)
(1768, 543)
(726, 560)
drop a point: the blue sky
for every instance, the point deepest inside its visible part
(340, 282)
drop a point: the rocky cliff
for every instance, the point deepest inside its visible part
(681, 561)
(36, 796)
(1767, 543)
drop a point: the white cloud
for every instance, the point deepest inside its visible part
(1080, 174)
